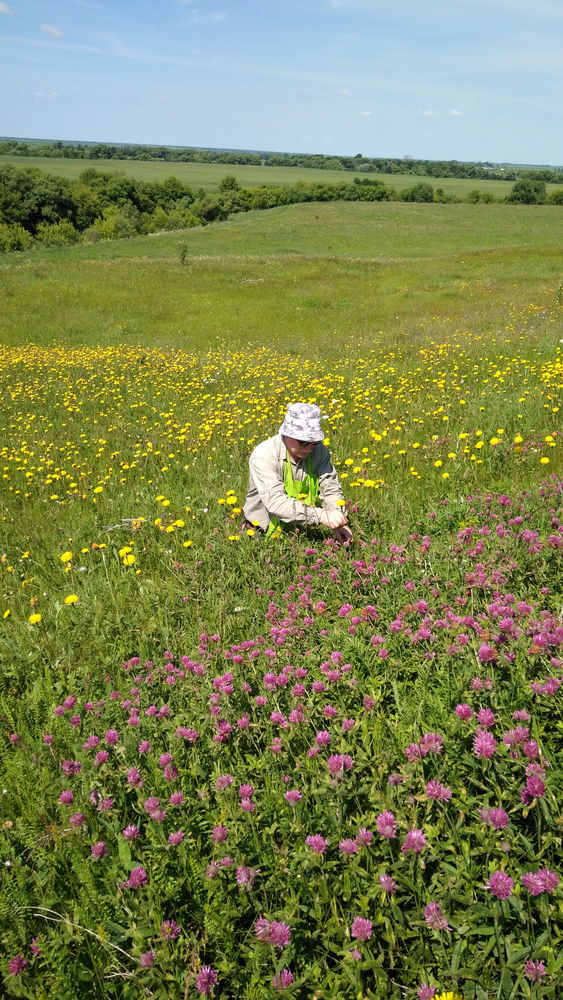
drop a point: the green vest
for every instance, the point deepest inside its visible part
(306, 490)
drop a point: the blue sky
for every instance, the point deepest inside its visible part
(441, 79)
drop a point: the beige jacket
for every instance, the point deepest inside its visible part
(266, 494)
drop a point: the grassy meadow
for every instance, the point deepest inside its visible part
(209, 175)
(242, 768)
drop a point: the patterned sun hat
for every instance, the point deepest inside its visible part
(303, 422)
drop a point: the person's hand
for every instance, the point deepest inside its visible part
(343, 534)
(332, 519)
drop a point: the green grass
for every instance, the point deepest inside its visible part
(209, 175)
(338, 273)
(134, 387)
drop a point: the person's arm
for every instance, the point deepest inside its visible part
(332, 496)
(269, 483)
(329, 484)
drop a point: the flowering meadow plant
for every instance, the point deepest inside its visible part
(241, 768)
(229, 860)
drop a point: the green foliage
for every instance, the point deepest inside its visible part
(31, 197)
(528, 192)
(57, 234)
(14, 237)
(420, 192)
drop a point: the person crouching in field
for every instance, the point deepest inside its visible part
(293, 482)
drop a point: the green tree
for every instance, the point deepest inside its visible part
(527, 191)
(30, 197)
(229, 183)
(420, 192)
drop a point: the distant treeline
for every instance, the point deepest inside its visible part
(358, 163)
(41, 208)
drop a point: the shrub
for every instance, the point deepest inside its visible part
(58, 234)
(14, 237)
(420, 192)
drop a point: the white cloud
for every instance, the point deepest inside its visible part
(366, 114)
(51, 30)
(51, 96)
(428, 114)
(6, 9)
(454, 113)
(344, 92)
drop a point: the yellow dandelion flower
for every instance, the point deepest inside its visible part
(72, 599)
(98, 489)
(7, 613)
(438, 463)
(123, 551)
(34, 619)
(66, 557)
(129, 559)
(544, 460)
(250, 532)
(187, 544)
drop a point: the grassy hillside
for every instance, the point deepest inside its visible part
(335, 272)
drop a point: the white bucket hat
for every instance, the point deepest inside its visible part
(303, 422)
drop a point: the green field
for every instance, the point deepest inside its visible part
(341, 273)
(209, 175)
(242, 767)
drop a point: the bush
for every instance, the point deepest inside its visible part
(58, 234)
(14, 237)
(420, 192)
(528, 192)
(162, 221)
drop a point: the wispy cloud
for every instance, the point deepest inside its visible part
(454, 113)
(51, 96)
(366, 114)
(6, 9)
(51, 30)
(46, 43)
(428, 113)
